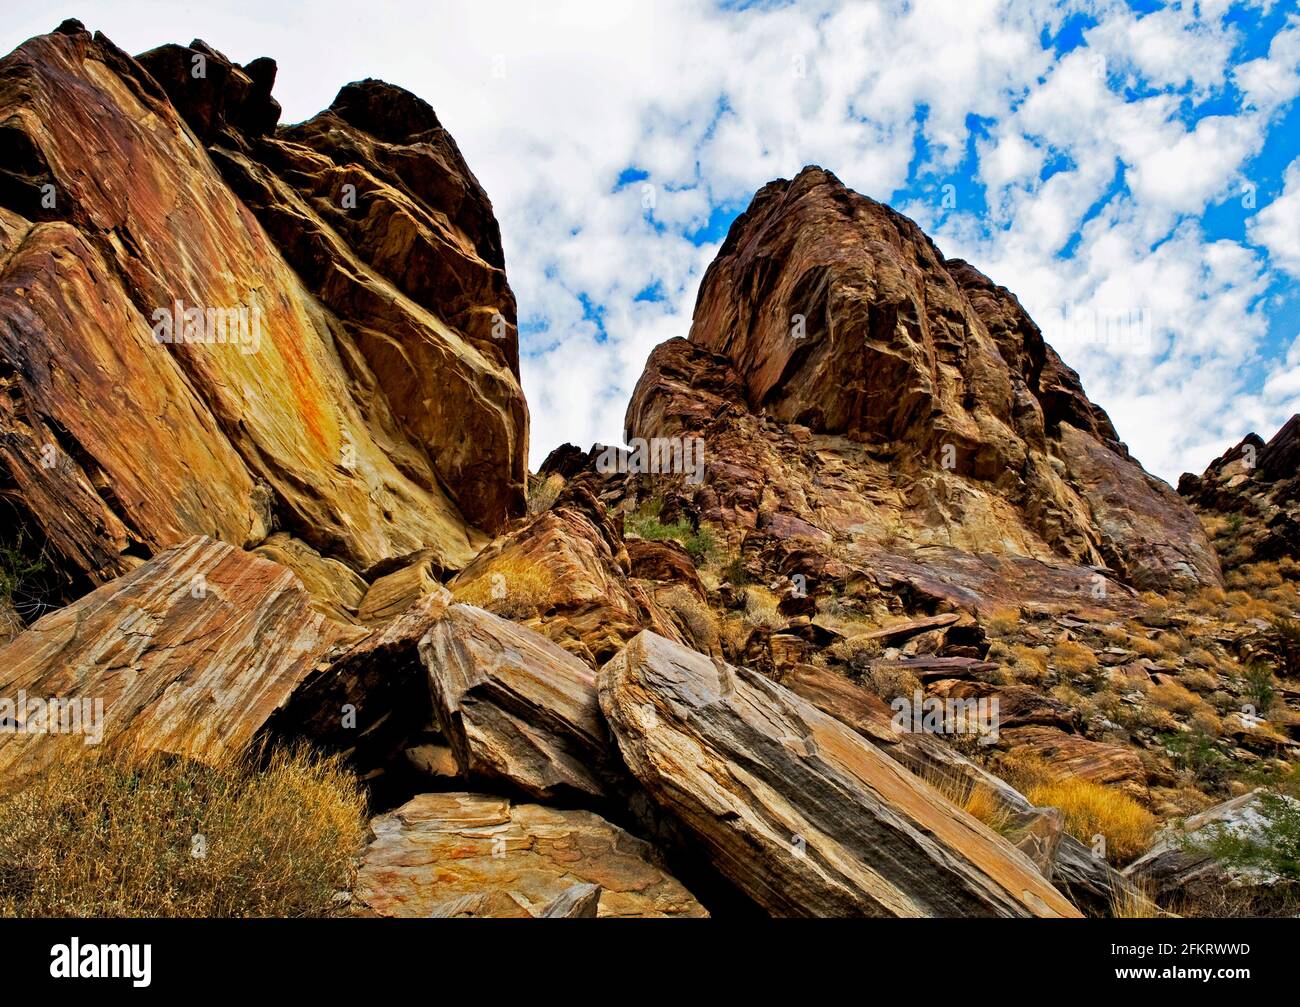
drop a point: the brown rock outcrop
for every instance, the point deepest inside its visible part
(438, 849)
(564, 572)
(794, 808)
(346, 372)
(1253, 489)
(191, 653)
(851, 383)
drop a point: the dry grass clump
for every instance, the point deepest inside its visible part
(1093, 809)
(1172, 644)
(1199, 681)
(1028, 664)
(760, 608)
(733, 634)
(1156, 603)
(1208, 601)
(543, 492)
(1090, 809)
(1143, 647)
(1002, 621)
(1134, 903)
(1175, 698)
(890, 682)
(978, 801)
(107, 833)
(1255, 576)
(510, 586)
(692, 616)
(1073, 658)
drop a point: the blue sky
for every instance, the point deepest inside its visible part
(1130, 169)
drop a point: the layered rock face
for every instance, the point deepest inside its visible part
(1254, 491)
(849, 382)
(213, 327)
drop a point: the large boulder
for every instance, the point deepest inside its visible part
(794, 808)
(514, 706)
(459, 854)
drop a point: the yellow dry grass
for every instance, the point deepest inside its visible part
(1093, 809)
(512, 587)
(113, 833)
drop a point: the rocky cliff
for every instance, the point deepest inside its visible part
(214, 326)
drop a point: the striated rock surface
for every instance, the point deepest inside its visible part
(796, 809)
(347, 373)
(192, 653)
(514, 706)
(439, 849)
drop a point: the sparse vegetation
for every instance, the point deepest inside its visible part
(1093, 809)
(104, 833)
(510, 587)
(1073, 658)
(645, 523)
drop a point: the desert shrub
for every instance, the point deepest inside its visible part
(1195, 753)
(760, 608)
(1143, 647)
(107, 833)
(1092, 809)
(856, 651)
(510, 586)
(733, 571)
(1002, 621)
(1074, 658)
(1257, 686)
(1272, 846)
(645, 522)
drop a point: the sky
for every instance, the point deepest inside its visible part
(1129, 168)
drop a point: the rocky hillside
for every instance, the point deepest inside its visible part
(875, 615)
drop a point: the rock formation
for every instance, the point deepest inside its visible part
(273, 353)
(835, 344)
(887, 605)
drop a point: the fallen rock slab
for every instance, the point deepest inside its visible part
(798, 811)
(190, 653)
(515, 706)
(436, 850)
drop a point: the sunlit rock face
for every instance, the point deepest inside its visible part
(209, 325)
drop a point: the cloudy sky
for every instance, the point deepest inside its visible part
(1130, 169)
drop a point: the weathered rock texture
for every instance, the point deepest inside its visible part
(796, 809)
(515, 706)
(1254, 489)
(371, 407)
(191, 653)
(853, 385)
(437, 849)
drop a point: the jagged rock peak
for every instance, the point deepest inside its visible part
(838, 318)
